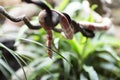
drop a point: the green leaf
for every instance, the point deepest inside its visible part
(112, 53)
(46, 47)
(56, 42)
(75, 45)
(8, 68)
(20, 34)
(111, 68)
(16, 56)
(94, 6)
(46, 77)
(82, 77)
(41, 67)
(62, 5)
(91, 72)
(4, 70)
(66, 65)
(49, 77)
(107, 57)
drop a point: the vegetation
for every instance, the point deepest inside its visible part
(78, 59)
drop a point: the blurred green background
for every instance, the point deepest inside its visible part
(78, 59)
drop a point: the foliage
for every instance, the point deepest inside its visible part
(77, 59)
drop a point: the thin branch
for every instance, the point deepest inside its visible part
(18, 19)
